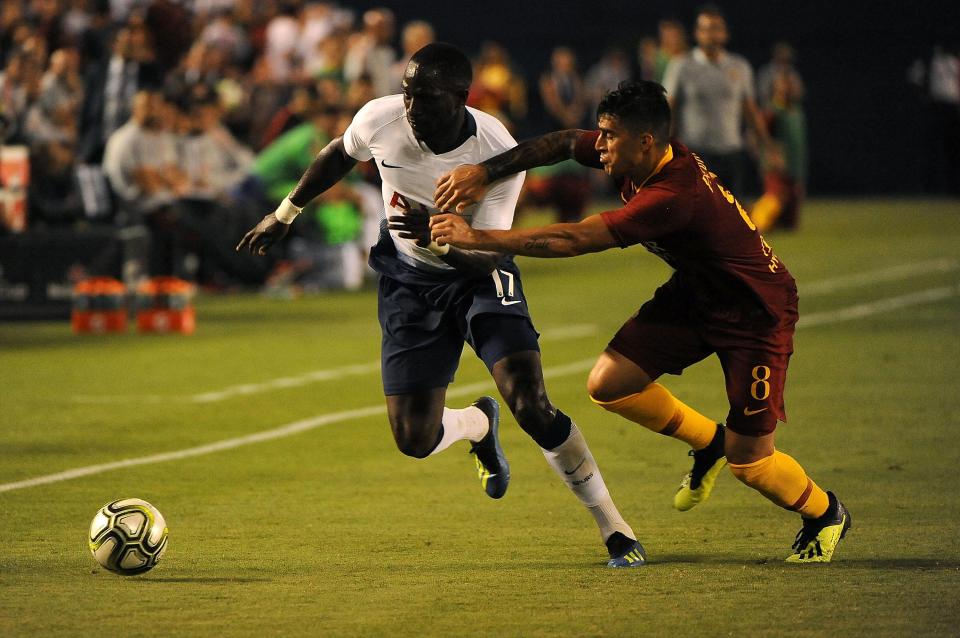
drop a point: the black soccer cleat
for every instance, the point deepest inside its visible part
(492, 466)
(698, 483)
(625, 551)
(819, 537)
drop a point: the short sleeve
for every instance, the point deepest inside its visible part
(357, 137)
(585, 150)
(495, 211)
(650, 214)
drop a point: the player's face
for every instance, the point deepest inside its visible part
(622, 152)
(431, 108)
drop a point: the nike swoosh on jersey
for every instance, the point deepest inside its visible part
(749, 412)
(510, 303)
(385, 165)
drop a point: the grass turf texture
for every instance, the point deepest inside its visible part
(333, 532)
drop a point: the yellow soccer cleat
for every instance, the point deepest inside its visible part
(697, 485)
(819, 537)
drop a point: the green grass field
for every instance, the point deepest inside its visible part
(325, 529)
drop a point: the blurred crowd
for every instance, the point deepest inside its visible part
(193, 118)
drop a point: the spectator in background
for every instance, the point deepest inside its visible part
(110, 87)
(783, 61)
(280, 45)
(497, 88)
(319, 22)
(291, 115)
(785, 159)
(566, 185)
(415, 35)
(19, 81)
(369, 52)
(647, 55)
(711, 92)
(606, 74)
(51, 127)
(327, 61)
(224, 34)
(672, 46)
(562, 91)
(140, 162)
(61, 85)
(214, 161)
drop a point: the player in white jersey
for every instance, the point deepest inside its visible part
(434, 298)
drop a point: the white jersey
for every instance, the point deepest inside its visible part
(410, 170)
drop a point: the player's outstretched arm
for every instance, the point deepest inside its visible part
(556, 240)
(466, 185)
(328, 167)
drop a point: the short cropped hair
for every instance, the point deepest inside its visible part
(641, 106)
(449, 64)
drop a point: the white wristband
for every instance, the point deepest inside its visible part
(287, 211)
(437, 249)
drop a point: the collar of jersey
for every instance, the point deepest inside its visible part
(702, 58)
(663, 162)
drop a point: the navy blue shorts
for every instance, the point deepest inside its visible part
(425, 326)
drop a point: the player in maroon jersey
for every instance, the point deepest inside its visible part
(729, 295)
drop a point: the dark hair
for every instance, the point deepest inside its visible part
(641, 106)
(448, 64)
(711, 10)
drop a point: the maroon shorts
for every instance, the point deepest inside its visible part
(665, 337)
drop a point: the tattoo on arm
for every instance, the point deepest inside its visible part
(537, 244)
(540, 151)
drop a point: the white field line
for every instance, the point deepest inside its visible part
(289, 429)
(575, 331)
(891, 273)
(296, 427)
(886, 304)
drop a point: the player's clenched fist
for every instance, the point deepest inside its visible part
(448, 228)
(461, 187)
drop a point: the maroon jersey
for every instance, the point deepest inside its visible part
(683, 215)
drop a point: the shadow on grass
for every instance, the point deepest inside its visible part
(212, 580)
(903, 563)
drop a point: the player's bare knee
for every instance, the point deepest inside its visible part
(411, 439)
(418, 447)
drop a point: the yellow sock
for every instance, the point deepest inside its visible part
(781, 479)
(765, 212)
(655, 408)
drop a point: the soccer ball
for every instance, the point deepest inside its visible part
(128, 536)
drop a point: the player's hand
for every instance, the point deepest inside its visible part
(413, 224)
(461, 187)
(449, 228)
(261, 237)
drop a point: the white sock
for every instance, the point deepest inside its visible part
(469, 423)
(574, 463)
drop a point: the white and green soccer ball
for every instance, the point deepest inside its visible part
(128, 536)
